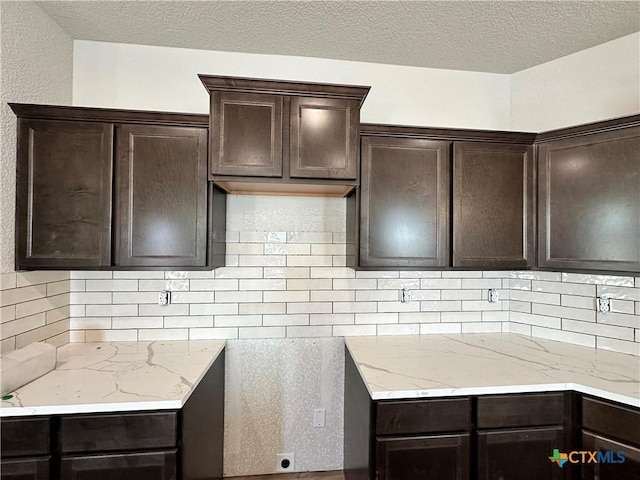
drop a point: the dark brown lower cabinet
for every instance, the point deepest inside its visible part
(434, 457)
(25, 468)
(121, 466)
(521, 454)
(623, 463)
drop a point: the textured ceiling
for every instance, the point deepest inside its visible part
(488, 36)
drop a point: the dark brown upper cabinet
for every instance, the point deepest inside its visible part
(589, 197)
(283, 137)
(63, 202)
(404, 208)
(493, 204)
(162, 213)
(161, 195)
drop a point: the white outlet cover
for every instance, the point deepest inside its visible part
(285, 456)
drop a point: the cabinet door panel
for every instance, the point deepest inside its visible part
(25, 468)
(324, 138)
(162, 196)
(135, 466)
(64, 194)
(246, 134)
(25, 436)
(492, 205)
(627, 470)
(589, 209)
(442, 457)
(405, 203)
(519, 454)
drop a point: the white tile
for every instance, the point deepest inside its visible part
(245, 249)
(19, 295)
(262, 237)
(213, 309)
(377, 274)
(404, 329)
(619, 281)
(354, 330)
(237, 320)
(25, 279)
(262, 332)
(333, 295)
(332, 319)
(309, 237)
(43, 333)
(517, 306)
(176, 274)
(564, 312)
(262, 308)
(111, 336)
(57, 288)
(496, 274)
(90, 274)
(564, 288)
(339, 261)
(355, 284)
(461, 274)
(154, 285)
(471, 305)
(440, 328)
(598, 329)
(530, 275)
(496, 316)
(287, 272)
(285, 320)
(16, 327)
(79, 336)
(163, 334)
(622, 293)
(332, 272)
(41, 305)
(135, 297)
(231, 236)
(622, 306)
(632, 348)
(213, 333)
(375, 295)
(309, 307)
(637, 308)
(77, 310)
(238, 297)
(537, 320)
(328, 249)
(637, 334)
(217, 284)
(419, 317)
(8, 280)
(536, 297)
(309, 261)
(7, 313)
(309, 284)
(398, 283)
(309, 332)
(263, 284)
(83, 298)
(519, 328)
(461, 295)
(568, 337)
(441, 306)
(176, 285)
(417, 295)
(441, 283)
(287, 249)
(116, 310)
(138, 274)
(90, 323)
(588, 303)
(58, 314)
(191, 321)
(459, 317)
(619, 319)
(287, 296)
(413, 306)
(239, 272)
(77, 285)
(420, 274)
(484, 327)
(262, 261)
(122, 323)
(111, 285)
(339, 237)
(376, 318)
(354, 307)
(484, 283)
(161, 310)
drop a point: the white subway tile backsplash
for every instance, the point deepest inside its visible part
(419, 274)
(564, 312)
(238, 297)
(90, 323)
(537, 320)
(562, 336)
(417, 295)
(237, 320)
(622, 306)
(375, 318)
(354, 330)
(404, 329)
(472, 305)
(245, 249)
(519, 328)
(111, 335)
(419, 317)
(398, 283)
(598, 279)
(460, 317)
(8, 280)
(213, 333)
(191, 321)
(263, 284)
(132, 297)
(308, 331)
(485, 283)
(163, 334)
(240, 272)
(564, 288)
(262, 308)
(309, 307)
(355, 284)
(21, 295)
(287, 249)
(217, 284)
(588, 303)
(261, 261)
(309, 284)
(328, 249)
(214, 309)
(7, 313)
(441, 306)
(16, 327)
(355, 307)
(123, 323)
(632, 348)
(441, 283)
(375, 295)
(599, 329)
(309, 237)
(287, 296)
(332, 272)
(262, 332)
(333, 295)
(496, 316)
(440, 328)
(398, 307)
(138, 274)
(111, 285)
(485, 327)
(309, 261)
(332, 319)
(287, 272)
(461, 294)
(285, 320)
(461, 274)
(535, 297)
(622, 293)
(619, 319)
(536, 275)
(158, 310)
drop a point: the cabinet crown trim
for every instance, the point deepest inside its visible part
(436, 133)
(589, 128)
(284, 87)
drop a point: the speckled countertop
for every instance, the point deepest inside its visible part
(116, 376)
(413, 366)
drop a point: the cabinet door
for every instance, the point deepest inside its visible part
(25, 468)
(246, 134)
(136, 466)
(616, 467)
(63, 194)
(324, 138)
(442, 457)
(404, 211)
(161, 194)
(492, 205)
(589, 208)
(519, 454)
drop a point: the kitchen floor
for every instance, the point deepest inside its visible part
(335, 475)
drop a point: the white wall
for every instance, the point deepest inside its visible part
(160, 78)
(36, 62)
(595, 84)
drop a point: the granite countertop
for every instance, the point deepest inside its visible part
(116, 376)
(414, 366)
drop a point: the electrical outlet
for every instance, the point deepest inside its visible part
(604, 304)
(319, 416)
(285, 462)
(164, 298)
(493, 295)
(405, 295)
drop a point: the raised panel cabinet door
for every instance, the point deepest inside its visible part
(246, 134)
(124, 466)
(623, 463)
(161, 195)
(324, 138)
(520, 454)
(34, 468)
(589, 202)
(63, 202)
(404, 210)
(438, 457)
(493, 202)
